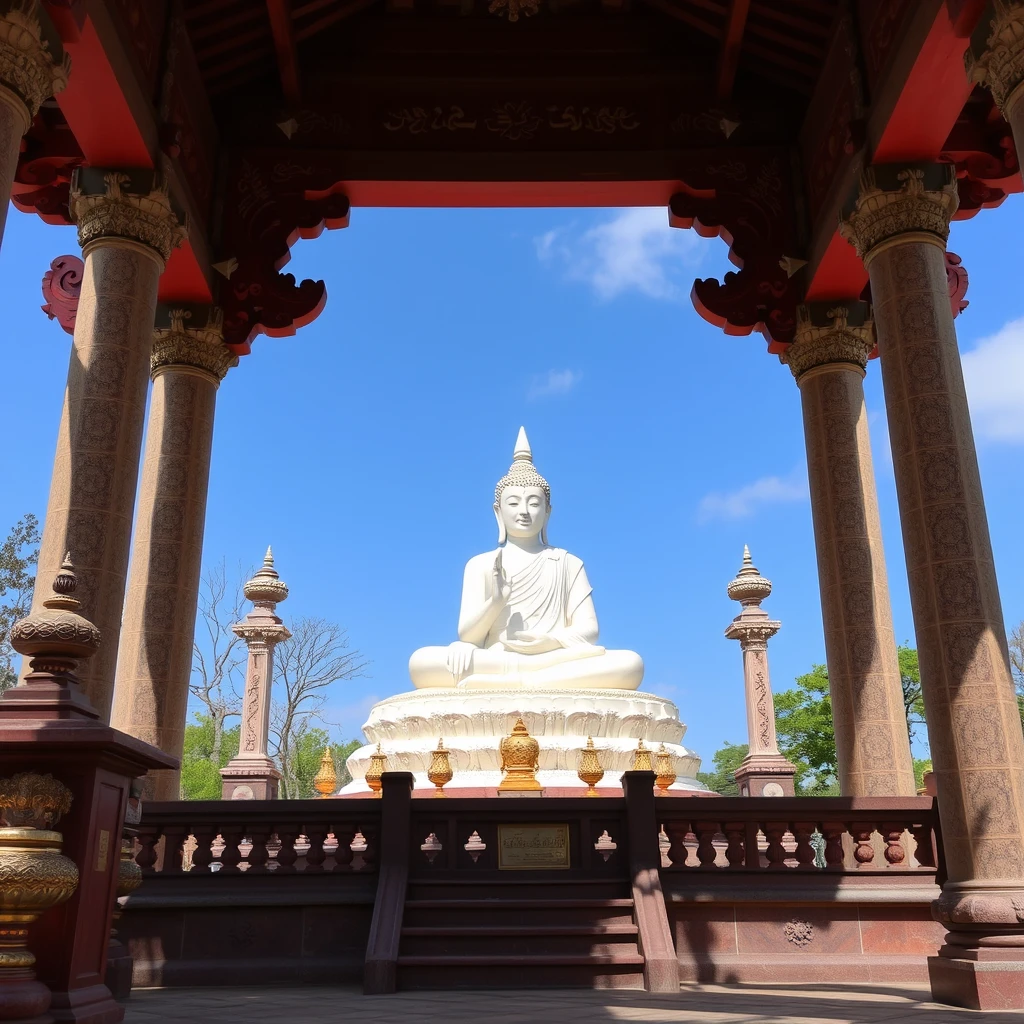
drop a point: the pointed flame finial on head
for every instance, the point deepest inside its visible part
(523, 452)
(522, 472)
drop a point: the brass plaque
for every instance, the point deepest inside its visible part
(533, 847)
(103, 850)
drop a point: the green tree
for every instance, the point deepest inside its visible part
(307, 751)
(18, 555)
(1016, 643)
(200, 766)
(726, 760)
(803, 721)
(921, 765)
(910, 680)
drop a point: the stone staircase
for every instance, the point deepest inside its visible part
(507, 933)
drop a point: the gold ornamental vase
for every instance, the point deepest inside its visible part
(664, 768)
(642, 759)
(520, 754)
(378, 766)
(326, 779)
(589, 767)
(440, 770)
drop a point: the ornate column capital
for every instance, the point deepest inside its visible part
(828, 333)
(899, 200)
(130, 204)
(995, 57)
(191, 338)
(33, 64)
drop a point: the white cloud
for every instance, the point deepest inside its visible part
(635, 250)
(994, 375)
(552, 383)
(744, 502)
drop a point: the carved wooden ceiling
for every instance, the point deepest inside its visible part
(241, 42)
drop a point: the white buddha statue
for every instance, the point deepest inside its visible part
(527, 616)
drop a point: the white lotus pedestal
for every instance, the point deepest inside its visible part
(473, 723)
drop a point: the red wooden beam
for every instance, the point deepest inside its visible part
(729, 53)
(284, 44)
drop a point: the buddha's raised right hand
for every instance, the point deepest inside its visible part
(500, 587)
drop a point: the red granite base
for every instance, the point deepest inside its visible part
(977, 984)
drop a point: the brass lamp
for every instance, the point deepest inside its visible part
(664, 769)
(440, 770)
(589, 767)
(642, 759)
(378, 765)
(326, 779)
(520, 754)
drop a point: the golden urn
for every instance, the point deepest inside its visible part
(520, 754)
(642, 759)
(440, 770)
(378, 766)
(326, 779)
(664, 769)
(34, 874)
(589, 767)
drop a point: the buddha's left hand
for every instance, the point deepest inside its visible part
(525, 642)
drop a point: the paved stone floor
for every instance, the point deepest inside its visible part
(706, 1004)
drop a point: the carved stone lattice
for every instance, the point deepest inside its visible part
(62, 287)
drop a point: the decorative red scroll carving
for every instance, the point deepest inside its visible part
(62, 286)
(981, 146)
(49, 155)
(747, 200)
(268, 206)
(957, 281)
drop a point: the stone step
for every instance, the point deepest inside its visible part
(603, 970)
(499, 939)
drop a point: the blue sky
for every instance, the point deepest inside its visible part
(366, 448)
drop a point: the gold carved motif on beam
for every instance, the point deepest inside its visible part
(513, 8)
(513, 121)
(418, 120)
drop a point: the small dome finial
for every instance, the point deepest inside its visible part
(749, 586)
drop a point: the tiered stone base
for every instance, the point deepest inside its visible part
(473, 722)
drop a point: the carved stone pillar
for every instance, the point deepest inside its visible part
(996, 59)
(828, 360)
(764, 771)
(899, 224)
(33, 67)
(252, 775)
(127, 228)
(154, 659)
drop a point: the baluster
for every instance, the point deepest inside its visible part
(202, 856)
(864, 852)
(892, 833)
(231, 855)
(369, 855)
(705, 832)
(287, 856)
(258, 853)
(315, 855)
(803, 830)
(833, 831)
(735, 854)
(776, 852)
(174, 840)
(343, 856)
(925, 839)
(149, 836)
(677, 842)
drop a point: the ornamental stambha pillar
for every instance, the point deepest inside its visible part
(996, 59)
(828, 359)
(33, 67)
(899, 222)
(127, 227)
(154, 658)
(252, 775)
(764, 771)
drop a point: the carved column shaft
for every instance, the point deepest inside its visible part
(899, 225)
(33, 67)
(155, 654)
(760, 703)
(126, 235)
(828, 360)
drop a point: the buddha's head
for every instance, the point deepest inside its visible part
(522, 499)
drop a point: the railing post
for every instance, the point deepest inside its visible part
(380, 974)
(661, 966)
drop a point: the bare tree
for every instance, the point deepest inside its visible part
(217, 654)
(1016, 644)
(317, 655)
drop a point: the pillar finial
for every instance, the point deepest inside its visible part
(749, 587)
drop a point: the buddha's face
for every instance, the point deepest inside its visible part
(523, 510)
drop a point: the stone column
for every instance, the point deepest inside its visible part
(899, 222)
(33, 67)
(764, 771)
(252, 775)
(127, 228)
(828, 360)
(996, 59)
(154, 659)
